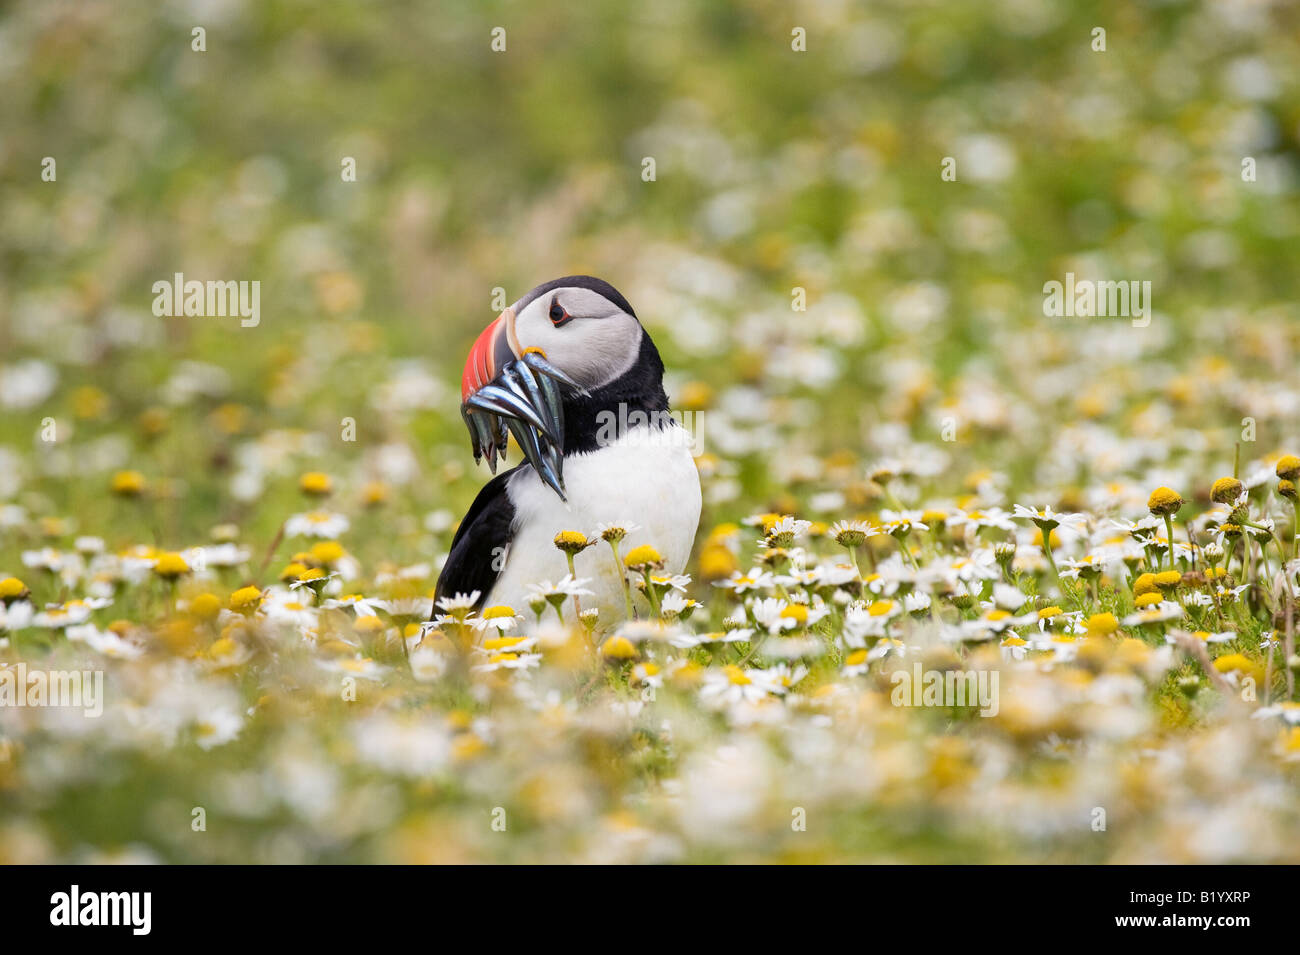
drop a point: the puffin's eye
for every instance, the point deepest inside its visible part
(558, 315)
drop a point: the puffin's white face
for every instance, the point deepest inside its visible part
(581, 332)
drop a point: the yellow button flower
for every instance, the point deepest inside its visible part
(128, 484)
(246, 599)
(639, 558)
(315, 484)
(205, 606)
(169, 566)
(572, 542)
(618, 648)
(1226, 490)
(327, 552)
(1164, 502)
(1102, 624)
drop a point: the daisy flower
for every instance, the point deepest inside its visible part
(58, 616)
(17, 615)
(498, 618)
(851, 533)
(615, 531)
(1161, 612)
(359, 604)
(1049, 520)
(731, 685)
(673, 604)
(981, 518)
(1206, 636)
(784, 532)
(107, 642)
(885, 647)
(855, 664)
(509, 659)
(323, 524)
(427, 664)
(757, 579)
(648, 674)
(359, 668)
(685, 639)
(565, 587)
(458, 602)
(781, 678)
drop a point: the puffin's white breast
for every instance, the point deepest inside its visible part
(647, 477)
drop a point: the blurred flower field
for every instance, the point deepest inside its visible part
(905, 461)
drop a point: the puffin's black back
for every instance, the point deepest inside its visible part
(478, 550)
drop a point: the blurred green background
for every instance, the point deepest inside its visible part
(776, 170)
(479, 169)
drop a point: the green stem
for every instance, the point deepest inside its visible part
(622, 577)
(577, 607)
(650, 594)
(853, 556)
(1295, 528)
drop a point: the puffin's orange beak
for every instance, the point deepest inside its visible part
(496, 346)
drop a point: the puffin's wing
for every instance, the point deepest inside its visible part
(478, 549)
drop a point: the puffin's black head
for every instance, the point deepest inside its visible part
(569, 348)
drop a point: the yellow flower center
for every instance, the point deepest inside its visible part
(205, 606)
(643, 556)
(315, 483)
(1102, 623)
(128, 483)
(618, 648)
(171, 565)
(245, 597)
(736, 675)
(1164, 501)
(327, 552)
(11, 587)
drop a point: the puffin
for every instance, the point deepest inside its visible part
(570, 373)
